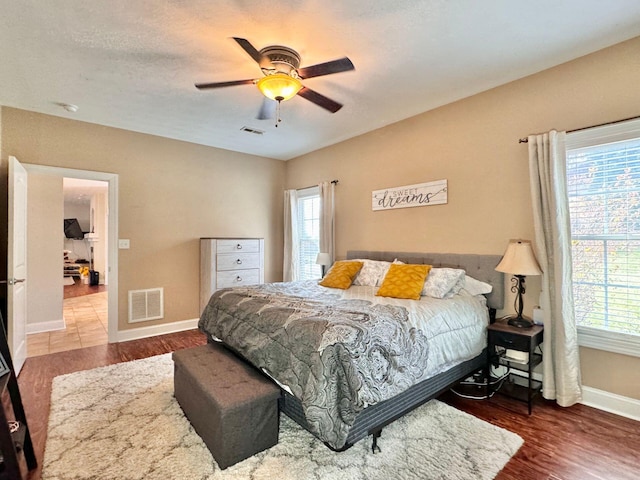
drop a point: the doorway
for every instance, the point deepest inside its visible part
(88, 281)
(85, 280)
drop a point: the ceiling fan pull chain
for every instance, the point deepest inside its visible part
(278, 119)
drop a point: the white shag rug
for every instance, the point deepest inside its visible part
(122, 422)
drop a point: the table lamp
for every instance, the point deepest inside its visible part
(520, 261)
(323, 259)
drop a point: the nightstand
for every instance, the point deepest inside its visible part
(521, 344)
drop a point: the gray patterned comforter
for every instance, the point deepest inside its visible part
(337, 356)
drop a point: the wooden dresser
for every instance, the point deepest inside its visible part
(229, 262)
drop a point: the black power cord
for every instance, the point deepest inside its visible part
(475, 386)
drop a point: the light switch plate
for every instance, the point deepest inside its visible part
(123, 243)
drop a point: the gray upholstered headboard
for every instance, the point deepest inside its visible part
(480, 267)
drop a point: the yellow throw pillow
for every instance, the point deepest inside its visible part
(341, 274)
(404, 281)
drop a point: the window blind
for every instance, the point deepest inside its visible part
(603, 185)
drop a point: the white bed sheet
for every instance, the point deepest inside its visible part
(455, 327)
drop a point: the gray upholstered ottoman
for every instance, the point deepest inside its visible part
(231, 405)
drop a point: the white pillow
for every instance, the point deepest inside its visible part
(443, 282)
(476, 287)
(372, 272)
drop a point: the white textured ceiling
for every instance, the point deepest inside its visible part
(79, 191)
(132, 63)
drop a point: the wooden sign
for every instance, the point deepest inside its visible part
(419, 195)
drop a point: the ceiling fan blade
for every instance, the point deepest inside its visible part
(267, 109)
(320, 100)
(203, 86)
(250, 49)
(327, 68)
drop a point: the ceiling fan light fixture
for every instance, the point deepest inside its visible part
(279, 86)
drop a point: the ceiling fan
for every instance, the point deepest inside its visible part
(282, 77)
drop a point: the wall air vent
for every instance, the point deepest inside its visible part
(146, 304)
(255, 131)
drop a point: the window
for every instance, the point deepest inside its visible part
(309, 232)
(603, 185)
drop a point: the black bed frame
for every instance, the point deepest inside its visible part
(373, 419)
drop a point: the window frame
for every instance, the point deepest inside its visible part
(601, 339)
(306, 194)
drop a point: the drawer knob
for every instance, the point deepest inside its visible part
(238, 278)
(239, 247)
(239, 262)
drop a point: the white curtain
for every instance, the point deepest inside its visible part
(291, 254)
(547, 169)
(327, 221)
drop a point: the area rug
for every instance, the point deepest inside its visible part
(122, 422)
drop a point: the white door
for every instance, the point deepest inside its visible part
(17, 264)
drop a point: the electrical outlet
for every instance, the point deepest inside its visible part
(123, 243)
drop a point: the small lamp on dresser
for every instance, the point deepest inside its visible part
(520, 261)
(323, 259)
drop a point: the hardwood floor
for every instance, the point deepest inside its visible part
(577, 443)
(78, 289)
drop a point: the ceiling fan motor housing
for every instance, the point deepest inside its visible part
(279, 59)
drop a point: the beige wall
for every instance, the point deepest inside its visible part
(45, 234)
(170, 194)
(611, 372)
(473, 144)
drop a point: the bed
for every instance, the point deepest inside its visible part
(349, 362)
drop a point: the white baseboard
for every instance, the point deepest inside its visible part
(152, 331)
(611, 402)
(42, 327)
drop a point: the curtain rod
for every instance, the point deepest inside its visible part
(335, 182)
(526, 140)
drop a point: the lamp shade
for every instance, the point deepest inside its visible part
(323, 259)
(519, 259)
(279, 86)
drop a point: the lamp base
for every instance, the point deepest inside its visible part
(520, 322)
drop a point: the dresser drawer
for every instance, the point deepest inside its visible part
(237, 278)
(238, 261)
(511, 341)
(246, 245)
(229, 262)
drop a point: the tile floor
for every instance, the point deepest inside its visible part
(86, 326)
